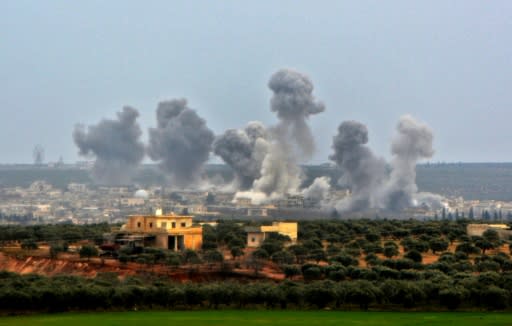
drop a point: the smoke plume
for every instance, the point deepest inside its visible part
(293, 101)
(318, 191)
(367, 176)
(413, 142)
(244, 151)
(290, 140)
(115, 144)
(181, 142)
(363, 172)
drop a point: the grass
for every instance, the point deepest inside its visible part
(248, 318)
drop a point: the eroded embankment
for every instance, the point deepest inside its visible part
(90, 268)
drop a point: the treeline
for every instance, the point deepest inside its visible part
(432, 291)
(53, 232)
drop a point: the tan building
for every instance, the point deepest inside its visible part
(174, 232)
(503, 230)
(256, 235)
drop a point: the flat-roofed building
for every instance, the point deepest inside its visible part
(174, 232)
(503, 230)
(256, 235)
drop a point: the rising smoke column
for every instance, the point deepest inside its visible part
(181, 142)
(363, 172)
(413, 142)
(244, 151)
(293, 101)
(115, 144)
(290, 139)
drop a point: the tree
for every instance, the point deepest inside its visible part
(495, 297)
(311, 272)
(272, 246)
(438, 245)
(291, 271)
(88, 251)
(491, 236)
(414, 255)
(283, 257)
(299, 251)
(362, 293)
(260, 253)
(319, 294)
(317, 255)
(257, 258)
(471, 214)
(467, 248)
(213, 256)
(29, 245)
(190, 257)
(173, 259)
(236, 252)
(484, 244)
(390, 251)
(452, 297)
(372, 237)
(55, 249)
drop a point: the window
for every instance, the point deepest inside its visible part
(138, 224)
(173, 225)
(183, 224)
(150, 224)
(253, 239)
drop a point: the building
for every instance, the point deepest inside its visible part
(174, 232)
(256, 235)
(503, 230)
(257, 211)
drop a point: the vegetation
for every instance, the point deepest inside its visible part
(357, 264)
(431, 290)
(250, 318)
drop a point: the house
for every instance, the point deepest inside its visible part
(256, 235)
(174, 232)
(503, 230)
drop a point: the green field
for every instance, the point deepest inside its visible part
(248, 318)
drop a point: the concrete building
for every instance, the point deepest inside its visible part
(256, 235)
(503, 230)
(174, 232)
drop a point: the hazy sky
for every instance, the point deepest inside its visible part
(449, 63)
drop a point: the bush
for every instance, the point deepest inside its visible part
(414, 255)
(29, 245)
(452, 297)
(311, 272)
(88, 251)
(283, 257)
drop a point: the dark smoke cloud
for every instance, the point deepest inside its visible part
(115, 144)
(372, 186)
(363, 172)
(181, 142)
(413, 142)
(244, 151)
(293, 101)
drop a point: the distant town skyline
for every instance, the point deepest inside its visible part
(446, 63)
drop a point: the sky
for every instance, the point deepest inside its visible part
(448, 63)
